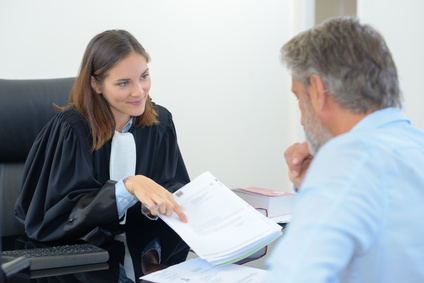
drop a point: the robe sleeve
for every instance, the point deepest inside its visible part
(61, 197)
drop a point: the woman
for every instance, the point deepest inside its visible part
(74, 187)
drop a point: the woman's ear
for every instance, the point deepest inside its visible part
(95, 85)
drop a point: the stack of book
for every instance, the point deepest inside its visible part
(276, 205)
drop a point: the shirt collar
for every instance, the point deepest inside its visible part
(380, 118)
(128, 125)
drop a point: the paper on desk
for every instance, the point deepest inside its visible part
(222, 228)
(198, 270)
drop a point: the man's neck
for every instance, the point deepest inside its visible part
(342, 120)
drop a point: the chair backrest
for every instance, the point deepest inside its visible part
(25, 107)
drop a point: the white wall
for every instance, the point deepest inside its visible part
(215, 65)
(401, 23)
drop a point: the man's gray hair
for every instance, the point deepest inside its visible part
(352, 59)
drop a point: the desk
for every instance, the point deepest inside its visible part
(93, 273)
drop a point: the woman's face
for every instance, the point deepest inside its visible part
(125, 88)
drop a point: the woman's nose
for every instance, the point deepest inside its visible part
(138, 90)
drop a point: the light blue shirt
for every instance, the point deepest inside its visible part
(359, 215)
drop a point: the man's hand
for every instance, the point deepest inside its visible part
(153, 195)
(298, 159)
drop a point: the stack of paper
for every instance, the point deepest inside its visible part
(222, 228)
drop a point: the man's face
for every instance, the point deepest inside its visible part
(315, 131)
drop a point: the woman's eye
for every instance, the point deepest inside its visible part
(123, 84)
(143, 77)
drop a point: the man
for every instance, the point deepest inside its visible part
(360, 176)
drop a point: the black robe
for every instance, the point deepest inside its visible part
(66, 193)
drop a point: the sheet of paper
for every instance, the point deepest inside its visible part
(197, 270)
(219, 222)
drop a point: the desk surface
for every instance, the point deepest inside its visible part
(112, 271)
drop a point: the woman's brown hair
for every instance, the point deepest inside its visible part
(103, 52)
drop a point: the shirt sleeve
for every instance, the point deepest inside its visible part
(338, 214)
(124, 199)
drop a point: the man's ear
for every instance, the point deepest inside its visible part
(95, 85)
(318, 92)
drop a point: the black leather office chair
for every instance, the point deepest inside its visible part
(2, 277)
(25, 107)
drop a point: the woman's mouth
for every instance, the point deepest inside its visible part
(136, 103)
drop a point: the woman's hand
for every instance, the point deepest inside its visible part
(153, 195)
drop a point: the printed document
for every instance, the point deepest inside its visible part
(197, 270)
(222, 228)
